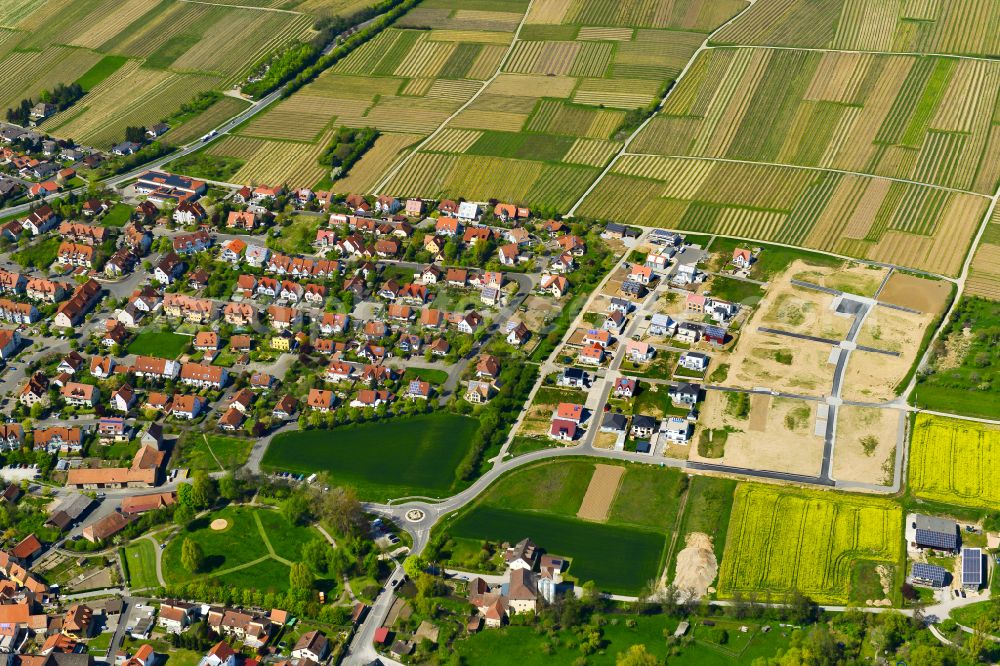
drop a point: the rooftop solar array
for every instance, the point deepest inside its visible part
(939, 540)
(929, 572)
(972, 566)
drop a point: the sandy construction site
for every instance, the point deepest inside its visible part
(866, 439)
(776, 435)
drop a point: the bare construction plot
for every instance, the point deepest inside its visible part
(866, 442)
(604, 484)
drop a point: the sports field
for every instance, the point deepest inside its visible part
(955, 462)
(254, 550)
(783, 539)
(163, 344)
(415, 456)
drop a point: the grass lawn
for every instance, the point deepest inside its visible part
(661, 367)
(523, 645)
(141, 558)
(708, 507)
(40, 255)
(429, 375)
(735, 291)
(772, 259)
(118, 216)
(522, 445)
(229, 452)
(159, 343)
(99, 644)
(415, 456)
(210, 167)
(969, 615)
(253, 551)
(182, 657)
(299, 234)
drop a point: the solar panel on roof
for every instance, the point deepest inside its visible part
(936, 539)
(930, 572)
(972, 566)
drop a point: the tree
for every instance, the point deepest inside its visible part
(295, 509)
(300, 577)
(183, 514)
(184, 495)
(229, 487)
(203, 491)
(636, 655)
(342, 509)
(801, 609)
(192, 556)
(315, 554)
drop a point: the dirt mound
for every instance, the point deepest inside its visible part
(219, 524)
(696, 566)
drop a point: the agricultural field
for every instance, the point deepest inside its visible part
(984, 272)
(783, 539)
(955, 462)
(140, 61)
(917, 118)
(962, 28)
(558, 110)
(591, 514)
(405, 83)
(854, 215)
(965, 363)
(415, 456)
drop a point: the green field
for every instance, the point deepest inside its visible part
(547, 497)
(784, 539)
(255, 550)
(955, 462)
(707, 510)
(523, 645)
(416, 456)
(140, 556)
(41, 254)
(592, 547)
(107, 66)
(215, 452)
(966, 364)
(159, 343)
(118, 216)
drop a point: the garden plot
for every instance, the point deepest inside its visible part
(865, 450)
(955, 462)
(875, 377)
(784, 539)
(772, 434)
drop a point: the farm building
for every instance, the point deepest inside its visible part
(972, 568)
(931, 532)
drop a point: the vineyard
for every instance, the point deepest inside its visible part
(955, 462)
(562, 95)
(870, 218)
(294, 164)
(925, 119)
(133, 95)
(783, 539)
(984, 273)
(963, 28)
